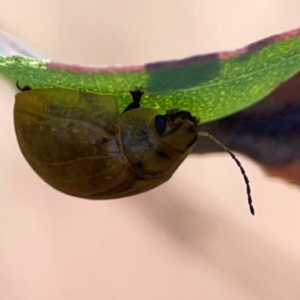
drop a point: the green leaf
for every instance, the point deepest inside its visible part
(210, 86)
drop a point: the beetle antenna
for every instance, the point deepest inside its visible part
(212, 138)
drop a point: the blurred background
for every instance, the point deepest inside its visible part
(193, 237)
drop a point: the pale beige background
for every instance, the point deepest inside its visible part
(192, 238)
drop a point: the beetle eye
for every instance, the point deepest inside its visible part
(160, 124)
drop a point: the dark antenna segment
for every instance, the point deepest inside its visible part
(212, 138)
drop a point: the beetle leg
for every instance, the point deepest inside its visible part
(24, 88)
(136, 99)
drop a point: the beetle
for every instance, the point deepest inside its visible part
(80, 144)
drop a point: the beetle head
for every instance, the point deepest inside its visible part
(177, 129)
(155, 145)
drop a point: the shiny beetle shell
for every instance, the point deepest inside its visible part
(81, 145)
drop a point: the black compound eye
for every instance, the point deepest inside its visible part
(160, 124)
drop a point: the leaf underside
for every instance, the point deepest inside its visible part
(210, 86)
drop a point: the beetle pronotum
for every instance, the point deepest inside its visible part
(80, 144)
